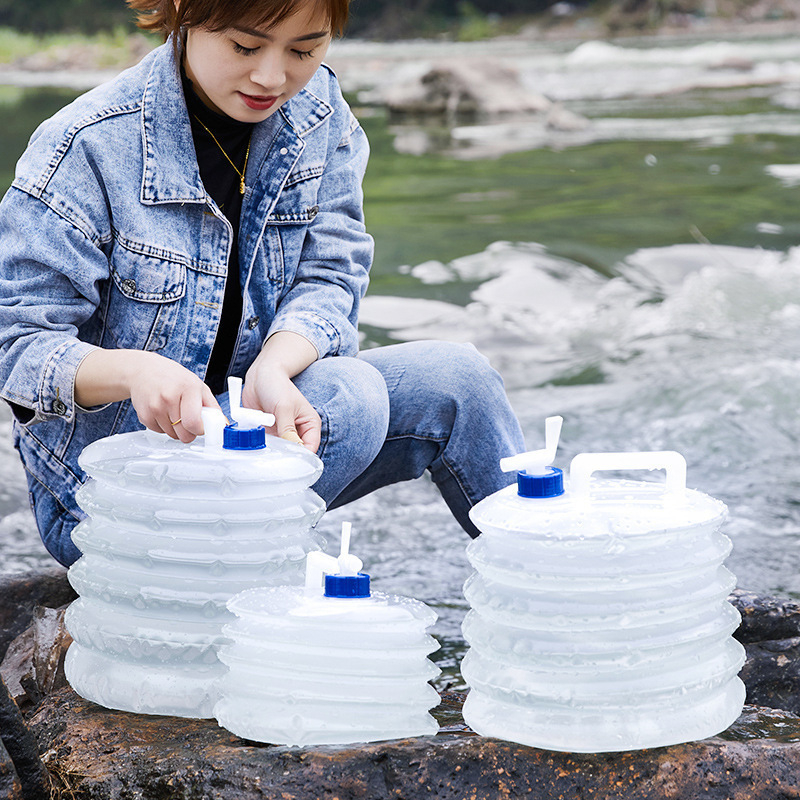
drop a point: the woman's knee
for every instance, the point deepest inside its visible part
(458, 373)
(352, 400)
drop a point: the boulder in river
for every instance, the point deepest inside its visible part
(484, 87)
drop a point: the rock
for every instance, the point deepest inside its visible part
(765, 618)
(95, 753)
(34, 662)
(10, 787)
(770, 632)
(737, 63)
(465, 87)
(22, 592)
(562, 119)
(772, 674)
(16, 669)
(19, 744)
(31, 637)
(91, 752)
(51, 641)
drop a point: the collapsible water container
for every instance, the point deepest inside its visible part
(327, 666)
(599, 617)
(173, 532)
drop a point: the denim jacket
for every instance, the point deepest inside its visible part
(109, 239)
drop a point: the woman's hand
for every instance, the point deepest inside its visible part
(268, 387)
(167, 397)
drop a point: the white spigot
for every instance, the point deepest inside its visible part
(319, 564)
(348, 563)
(537, 461)
(246, 417)
(214, 422)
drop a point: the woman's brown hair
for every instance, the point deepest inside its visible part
(168, 17)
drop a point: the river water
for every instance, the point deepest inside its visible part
(638, 276)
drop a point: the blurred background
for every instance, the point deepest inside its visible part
(601, 196)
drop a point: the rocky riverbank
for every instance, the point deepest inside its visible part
(55, 744)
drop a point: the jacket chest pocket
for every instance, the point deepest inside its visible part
(297, 203)
(142, 298)
(288, 223)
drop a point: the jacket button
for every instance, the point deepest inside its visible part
(284, 151)
(59, 407)
(129, 285)
(252, 323)
(313, 211)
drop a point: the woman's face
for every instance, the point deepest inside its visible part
(248, 73)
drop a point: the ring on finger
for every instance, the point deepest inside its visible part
(177, 421)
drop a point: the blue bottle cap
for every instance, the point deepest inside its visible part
(236, 438)
(347, 585)
(551, 484)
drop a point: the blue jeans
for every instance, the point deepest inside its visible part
(387, 416)
(395, 411)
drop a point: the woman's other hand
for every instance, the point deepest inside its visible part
(268, 387)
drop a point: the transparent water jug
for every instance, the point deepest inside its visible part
(173, 532)
(599, 618)
(337, 665)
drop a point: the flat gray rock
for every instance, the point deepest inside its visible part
(91, 752)
(111, 755)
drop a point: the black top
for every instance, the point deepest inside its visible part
(223, 184)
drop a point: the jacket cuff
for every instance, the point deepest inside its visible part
(318, 330)
(56, 397)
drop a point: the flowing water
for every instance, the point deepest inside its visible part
(638, 275)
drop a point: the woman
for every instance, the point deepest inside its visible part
(201, 216)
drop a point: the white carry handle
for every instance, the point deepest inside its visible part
(584, 464)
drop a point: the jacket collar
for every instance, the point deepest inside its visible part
(305, 112)
(170, 173)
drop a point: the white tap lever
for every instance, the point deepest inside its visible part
(214, 422)
(537, 461)
(319, 564)
(348, 564)
(246, 417)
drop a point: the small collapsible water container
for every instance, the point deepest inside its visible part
(599, 618)
(337, 665)
(173, 532)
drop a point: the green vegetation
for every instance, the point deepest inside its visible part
(464, 19)
(467, 20)
(46, 16)
(390, 19)
(117, 47)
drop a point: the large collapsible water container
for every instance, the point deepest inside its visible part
(333, 666)
(173, 532)
(599, 617)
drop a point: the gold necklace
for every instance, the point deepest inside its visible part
(239, 172)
